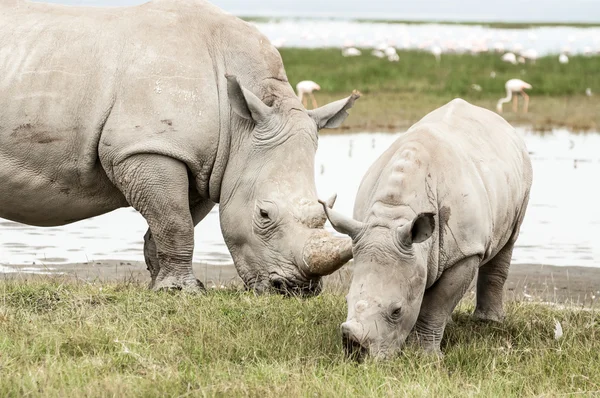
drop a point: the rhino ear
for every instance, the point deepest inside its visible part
(332, 115)
(417, 231)
(244, 103)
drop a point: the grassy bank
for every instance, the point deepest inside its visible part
(76, 339)
(395, 95)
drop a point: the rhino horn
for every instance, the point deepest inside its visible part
(324, 254)
(340, 223)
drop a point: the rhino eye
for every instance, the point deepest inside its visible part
(265, 214)
(395, 314)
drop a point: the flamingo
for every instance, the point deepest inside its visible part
(437, 52)
(351, 52)
(378, 53)
(563, 59)
(514, 86)
(510, 57)
(306, 87)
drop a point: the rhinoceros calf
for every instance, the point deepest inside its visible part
(445, 200)
(169, 107)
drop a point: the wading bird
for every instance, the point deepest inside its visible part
(515, 86)
(306, 87)
(510, 57)
(563, 59)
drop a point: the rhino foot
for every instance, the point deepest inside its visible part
(188, 285)
(488, 316)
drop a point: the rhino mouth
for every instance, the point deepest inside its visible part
(286, 287)
(275, 283)
(354, 350)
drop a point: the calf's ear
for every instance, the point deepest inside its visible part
(416, 231)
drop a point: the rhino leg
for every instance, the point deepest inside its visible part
(490, 286)
(157, 187)
(199, 208)
(440, 300)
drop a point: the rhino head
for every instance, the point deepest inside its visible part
(388, 282)
(270, 216)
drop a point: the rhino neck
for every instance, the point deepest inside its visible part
(215, 182)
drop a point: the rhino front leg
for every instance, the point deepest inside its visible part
(157, 186)
(440, 300)
(199, 209)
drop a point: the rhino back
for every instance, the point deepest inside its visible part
(149, 78)
(462, 162)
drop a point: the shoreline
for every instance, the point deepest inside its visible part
(526, 282)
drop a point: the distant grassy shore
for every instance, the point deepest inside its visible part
(395, 95)
(76, 339)
(489, 24)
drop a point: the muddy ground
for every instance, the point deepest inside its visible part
(574, 285)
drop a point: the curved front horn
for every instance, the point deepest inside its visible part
(342, 224)
(323, 254)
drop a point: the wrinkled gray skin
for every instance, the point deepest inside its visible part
(445, 200)
(169, 107)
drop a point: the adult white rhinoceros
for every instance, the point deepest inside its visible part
(445, 200)
(169, 107)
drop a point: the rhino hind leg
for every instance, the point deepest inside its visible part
(492, 276)
(157, 187)
(440, 300)
(490, 286)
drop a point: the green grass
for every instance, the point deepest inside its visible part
(398, 94)
(76, 339)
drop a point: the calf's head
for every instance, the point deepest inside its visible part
(270, 216)
(388, 283)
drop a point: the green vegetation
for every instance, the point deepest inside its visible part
(61, 339)
(398, 94)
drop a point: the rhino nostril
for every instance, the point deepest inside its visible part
(352, 344)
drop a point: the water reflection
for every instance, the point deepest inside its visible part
(561, 226)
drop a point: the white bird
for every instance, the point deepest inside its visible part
(563, 59)
(514, 86)
(493, 74)
(394, 57)
(588, 92)
(510, 57)
(437, 52)
(351, 52)
(389, 51)
(558, 331)
(306, 87)
(530, 54)
(378, 53)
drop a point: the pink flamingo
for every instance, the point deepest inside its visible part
(515, 86)
(306, 87)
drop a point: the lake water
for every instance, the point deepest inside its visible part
(317, 23)
(561, 226)
(313, 33)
